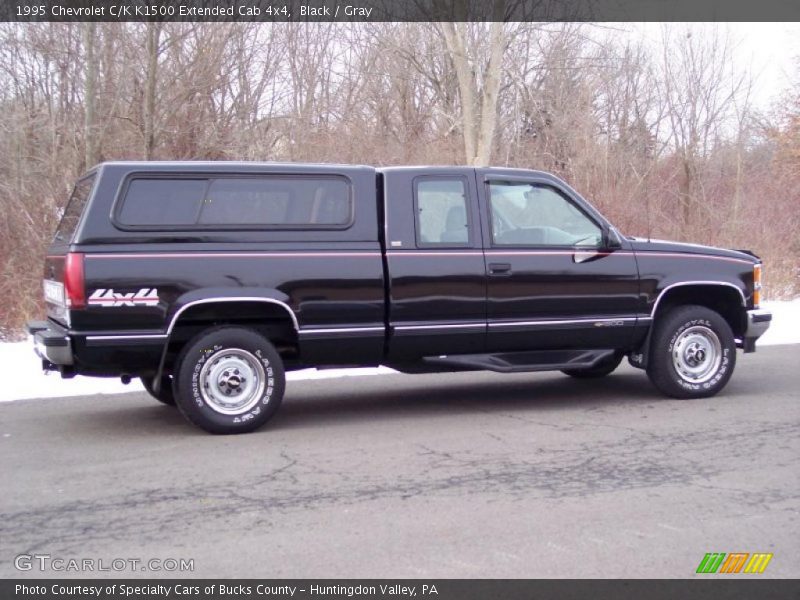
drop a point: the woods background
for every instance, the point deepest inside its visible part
(662, 136)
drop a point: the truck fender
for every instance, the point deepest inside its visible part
(241, 294)
(212, 295)
(639, 357)
(667, 285)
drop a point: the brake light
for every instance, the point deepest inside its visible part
(73, 281)
(756, 286)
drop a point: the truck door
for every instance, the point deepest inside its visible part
(554, 279)
(434, 256)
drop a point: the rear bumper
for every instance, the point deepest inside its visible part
(51, 343)
(758, 321)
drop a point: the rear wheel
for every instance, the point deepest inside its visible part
(164, 393)
(693, 353)
(600, 370)
(229, 380)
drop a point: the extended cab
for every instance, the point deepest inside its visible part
(210, 280)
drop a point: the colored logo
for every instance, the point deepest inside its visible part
(736, 562)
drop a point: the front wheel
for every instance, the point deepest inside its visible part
(229, 380)
(693, 353)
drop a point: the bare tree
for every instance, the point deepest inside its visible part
(665, 129)
(89, 94)
(152, 51)
(479, 69)
(700, 92)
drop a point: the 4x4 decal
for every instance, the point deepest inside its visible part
(108, 297)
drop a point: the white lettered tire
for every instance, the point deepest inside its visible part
(693, 352)
(229, 380)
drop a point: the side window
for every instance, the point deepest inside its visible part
(162, 201)
(525, 214)
(262, 201)
(442, 212)
(74, 209)
(276, 201)
(235, 201)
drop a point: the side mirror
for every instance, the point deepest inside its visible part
(611, 240)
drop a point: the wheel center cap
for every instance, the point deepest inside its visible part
(230, 381)
(695, 354)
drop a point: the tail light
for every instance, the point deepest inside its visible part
(756, 286)
(73, 281)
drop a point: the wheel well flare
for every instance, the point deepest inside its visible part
(725, 299)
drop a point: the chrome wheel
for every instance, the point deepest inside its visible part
(232, 381)
(697, 354)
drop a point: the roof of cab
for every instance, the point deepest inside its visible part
(502, 171)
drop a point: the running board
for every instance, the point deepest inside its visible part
(520, 362)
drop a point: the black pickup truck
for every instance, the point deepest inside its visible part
(210, 280)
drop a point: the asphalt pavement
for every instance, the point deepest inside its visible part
(464, 475)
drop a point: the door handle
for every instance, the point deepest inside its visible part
(499, 269)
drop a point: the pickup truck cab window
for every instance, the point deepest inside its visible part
(442, 212)
(528, 214)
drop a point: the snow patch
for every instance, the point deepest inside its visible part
(22, 377)
(785, 327)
